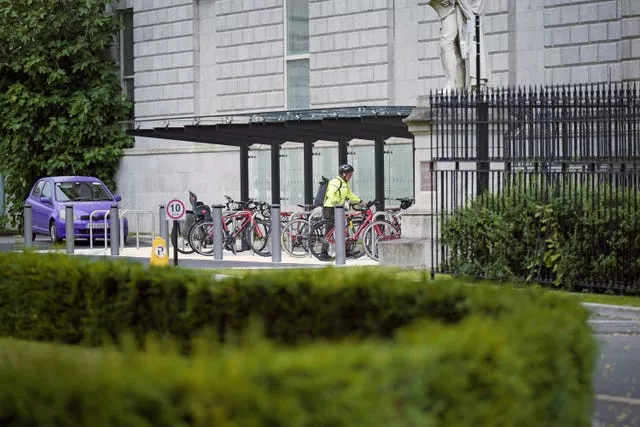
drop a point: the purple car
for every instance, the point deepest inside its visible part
(50, 195)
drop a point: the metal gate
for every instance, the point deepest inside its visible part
(540, 184)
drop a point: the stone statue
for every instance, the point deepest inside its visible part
(457, 42)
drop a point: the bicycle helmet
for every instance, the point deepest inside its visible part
(345, 169)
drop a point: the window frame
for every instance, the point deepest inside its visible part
(293, 57)
(47, 186)
(37, 189)
(123, 60)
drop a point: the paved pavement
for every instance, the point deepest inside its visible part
(617, 376)
(617, 382)
(142, 254)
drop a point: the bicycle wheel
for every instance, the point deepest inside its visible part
(180, 240)
(376, 232)
(295, 238)
(201, 238)
(259, 237)
(319, 240)
(354, 243)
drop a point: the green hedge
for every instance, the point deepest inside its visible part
(404, 352)
(64, 299)
(523, 370)
(572, 230)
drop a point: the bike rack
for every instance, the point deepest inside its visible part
(107, 213)
(137, 213)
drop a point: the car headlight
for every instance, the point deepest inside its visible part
(63, 215)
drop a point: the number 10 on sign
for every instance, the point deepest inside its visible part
(175, 209)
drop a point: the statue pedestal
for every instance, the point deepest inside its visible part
(419, 236)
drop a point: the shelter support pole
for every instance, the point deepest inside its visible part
(343, 147)
(379, 173)
(275, 173)
(308, 172)
(244, 171)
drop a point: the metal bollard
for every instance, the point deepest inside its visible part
(115, 231)
(28, 225)
(68, 227)
(163, 227)
(274, 234)
(217, 231)
(339, 235)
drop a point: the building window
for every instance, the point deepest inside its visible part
(298, 84)
(297, 54)
(124, 54)
(297, 27)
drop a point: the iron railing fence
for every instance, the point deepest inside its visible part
(542, 183)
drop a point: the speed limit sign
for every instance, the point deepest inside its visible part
(175, 209)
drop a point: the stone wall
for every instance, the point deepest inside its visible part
(630, 40)
(583, 41)
(248, 63)
(164, 58)
(349, 47)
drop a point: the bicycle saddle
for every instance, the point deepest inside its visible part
(308, 207)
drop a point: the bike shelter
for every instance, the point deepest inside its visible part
(340, 125)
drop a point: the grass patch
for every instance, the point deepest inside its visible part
(627, 300)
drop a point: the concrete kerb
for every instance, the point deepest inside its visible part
(15, 242)
(248, 257)
(613, 319)
(609, 311)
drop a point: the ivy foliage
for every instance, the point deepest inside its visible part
(60, 98)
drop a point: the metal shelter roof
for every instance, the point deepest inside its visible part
(274, 128)
(331, 124)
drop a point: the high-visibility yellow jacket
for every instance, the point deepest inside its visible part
(338, 192)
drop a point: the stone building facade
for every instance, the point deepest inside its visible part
(194, 58)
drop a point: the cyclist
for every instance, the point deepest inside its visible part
(338, 192)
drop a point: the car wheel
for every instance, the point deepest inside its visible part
(33, 237)
(53, 233)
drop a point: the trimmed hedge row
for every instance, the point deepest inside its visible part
(407, 353)
(64, 299)
(521, 371)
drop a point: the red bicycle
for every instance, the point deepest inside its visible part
(355, 224)
(244, 222)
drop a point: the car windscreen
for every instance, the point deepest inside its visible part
(81, 191)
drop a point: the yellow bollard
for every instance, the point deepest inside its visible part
(159, 252)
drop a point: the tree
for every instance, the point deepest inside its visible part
(61, 103)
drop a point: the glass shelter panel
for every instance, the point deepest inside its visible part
(292, 176)
(362, 158)
(398, 172)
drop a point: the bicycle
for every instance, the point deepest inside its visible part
(295, 234)
(199, 212)
(240, 223)
(382, 230)
(265, 223)
(354, 227)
